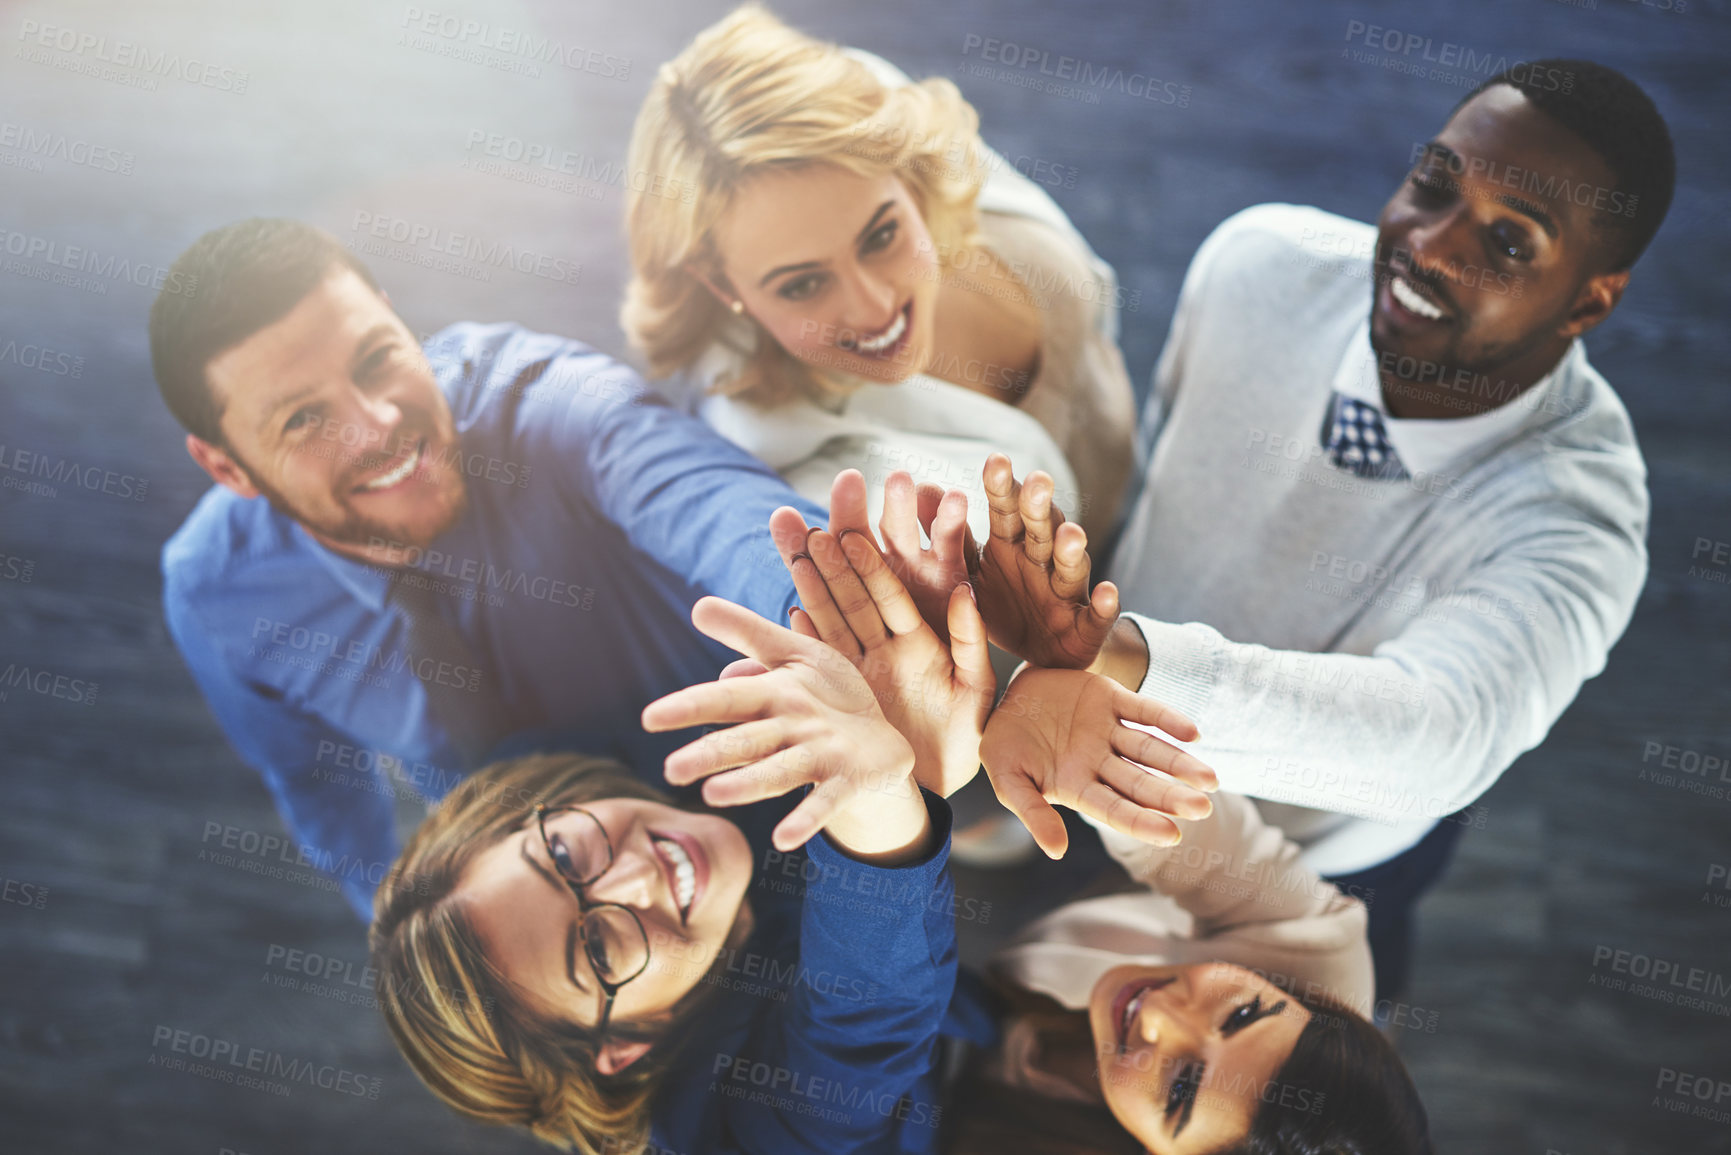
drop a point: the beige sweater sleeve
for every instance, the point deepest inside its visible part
(1253, 903)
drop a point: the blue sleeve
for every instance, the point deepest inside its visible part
(342, 824)
(682, 495)
(845, 1064)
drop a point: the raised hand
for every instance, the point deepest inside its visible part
(937, 695)
(1059, 736)
(930, 572)
(1032, 576)
(798, 714)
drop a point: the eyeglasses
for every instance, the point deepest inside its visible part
(613, 936)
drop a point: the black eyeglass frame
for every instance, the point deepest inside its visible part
(586, 907)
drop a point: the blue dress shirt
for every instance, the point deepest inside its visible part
(597, 516)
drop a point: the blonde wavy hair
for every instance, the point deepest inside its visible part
(456, 1018)
(750, 95)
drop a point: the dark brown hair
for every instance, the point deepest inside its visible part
(250, 275)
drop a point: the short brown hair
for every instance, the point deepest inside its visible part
(250, 274)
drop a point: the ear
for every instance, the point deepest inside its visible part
(1598, 297)
(616, 1055)
(223, 469)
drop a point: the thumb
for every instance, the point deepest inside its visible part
(1043, 821)
(968, 649)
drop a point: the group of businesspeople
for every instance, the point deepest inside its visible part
(697, 667)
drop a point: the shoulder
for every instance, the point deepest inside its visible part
(1268, 238)
(227, 544)
(508, 385)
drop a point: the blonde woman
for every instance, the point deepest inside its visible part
(855, 281)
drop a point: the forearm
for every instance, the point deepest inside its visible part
(1124, 657)
(887, 824)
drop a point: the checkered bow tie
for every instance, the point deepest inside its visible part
(1357, 442)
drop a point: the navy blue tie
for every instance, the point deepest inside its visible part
(1357, 441)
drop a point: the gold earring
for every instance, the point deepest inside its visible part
(737, 307)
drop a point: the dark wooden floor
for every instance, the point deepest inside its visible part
(121, 924)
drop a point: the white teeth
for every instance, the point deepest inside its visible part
(685, 875)
(889, 337)
(1130, 1011)
(386, 480)
(1410, 299)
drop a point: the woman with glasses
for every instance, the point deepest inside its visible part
(562, 949)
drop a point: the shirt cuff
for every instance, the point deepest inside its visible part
(1183, 665)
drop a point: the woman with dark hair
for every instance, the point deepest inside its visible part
(1217, 1008)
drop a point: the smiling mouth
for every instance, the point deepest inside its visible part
(681, 873)
(398, 475)
(1128, 1004)
(885, 342)
(1413, 299)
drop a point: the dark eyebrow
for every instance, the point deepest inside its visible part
(1435, 151)
(863, 233)
(571, 932)
(292, 399)
(1528, 209)
(363, 347)
(1190, 1102)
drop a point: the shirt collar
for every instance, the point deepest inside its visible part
(369, 584)
(1427, 445)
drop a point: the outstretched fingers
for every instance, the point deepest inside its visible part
(890, 598)
(1104, 804)
(1145, 749)
(1038, 526)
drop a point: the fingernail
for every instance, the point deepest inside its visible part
(799, 555)
(969, 586)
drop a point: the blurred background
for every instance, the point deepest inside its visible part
(126, 130)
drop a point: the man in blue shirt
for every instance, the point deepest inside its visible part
(501, 533)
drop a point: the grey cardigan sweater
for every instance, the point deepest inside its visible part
(1363, 656)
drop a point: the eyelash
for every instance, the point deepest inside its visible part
(1189, 1078)
(1501, 249)
(792, 290)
